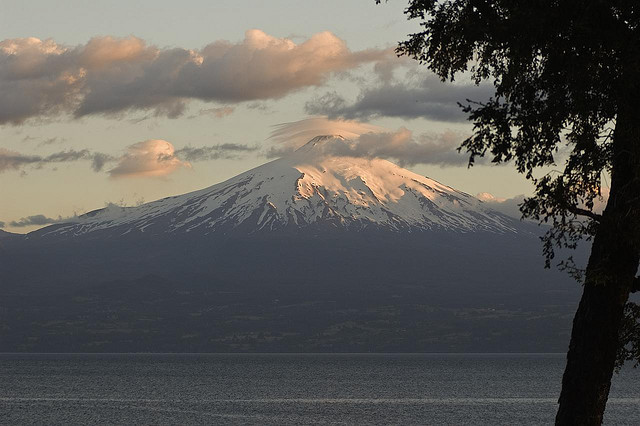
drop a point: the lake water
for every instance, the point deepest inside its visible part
(455, 389)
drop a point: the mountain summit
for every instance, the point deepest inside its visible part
(318, 185)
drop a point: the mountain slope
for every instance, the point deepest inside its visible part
(311, 186)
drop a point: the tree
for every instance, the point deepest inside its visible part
(566, 77)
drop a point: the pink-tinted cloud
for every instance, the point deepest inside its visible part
(111, 75)
(150, 158)
(405, 148)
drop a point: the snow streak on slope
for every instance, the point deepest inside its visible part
(312, 186)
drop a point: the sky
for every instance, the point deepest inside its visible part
(127, 102)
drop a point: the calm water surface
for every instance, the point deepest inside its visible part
(451, 389)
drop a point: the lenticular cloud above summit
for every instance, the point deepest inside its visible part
(369, 141)
(290, 136)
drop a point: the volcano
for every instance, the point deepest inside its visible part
(318, 251)
(312, 187)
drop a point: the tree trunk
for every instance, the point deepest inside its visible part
(594, 342)
(610, 272)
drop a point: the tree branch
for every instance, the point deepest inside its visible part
(583, 212)
(635, 286)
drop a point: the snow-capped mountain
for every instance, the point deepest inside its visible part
(317, 251)
(313, 186)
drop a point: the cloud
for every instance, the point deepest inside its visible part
(108, 75)
(508, 206)
(218, 112)
(511, 206)
(51, 141)
(11, 160)
(258, 106)
(99, 160)
(365, 140)
(288, 137)
(403, 148)
(426, 98)
(386, 69)
(154, 157)
(214, 152)
(157, 157)
(37, 220)
(1, 224)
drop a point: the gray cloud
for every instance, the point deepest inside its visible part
(214, 152)
(259, 106)
(10, 160)
(99, 160)
(405, 149)
(67, 156)
(385, 69)
(51, 141)
(37, 220)
(427, 98)
(218, 112)
(111, 75)
(1, 224)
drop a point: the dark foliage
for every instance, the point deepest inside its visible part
(556, 81)
(564, 112)
(629, 349)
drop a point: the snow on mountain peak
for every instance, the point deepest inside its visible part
(318, 184)
(320, 144)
